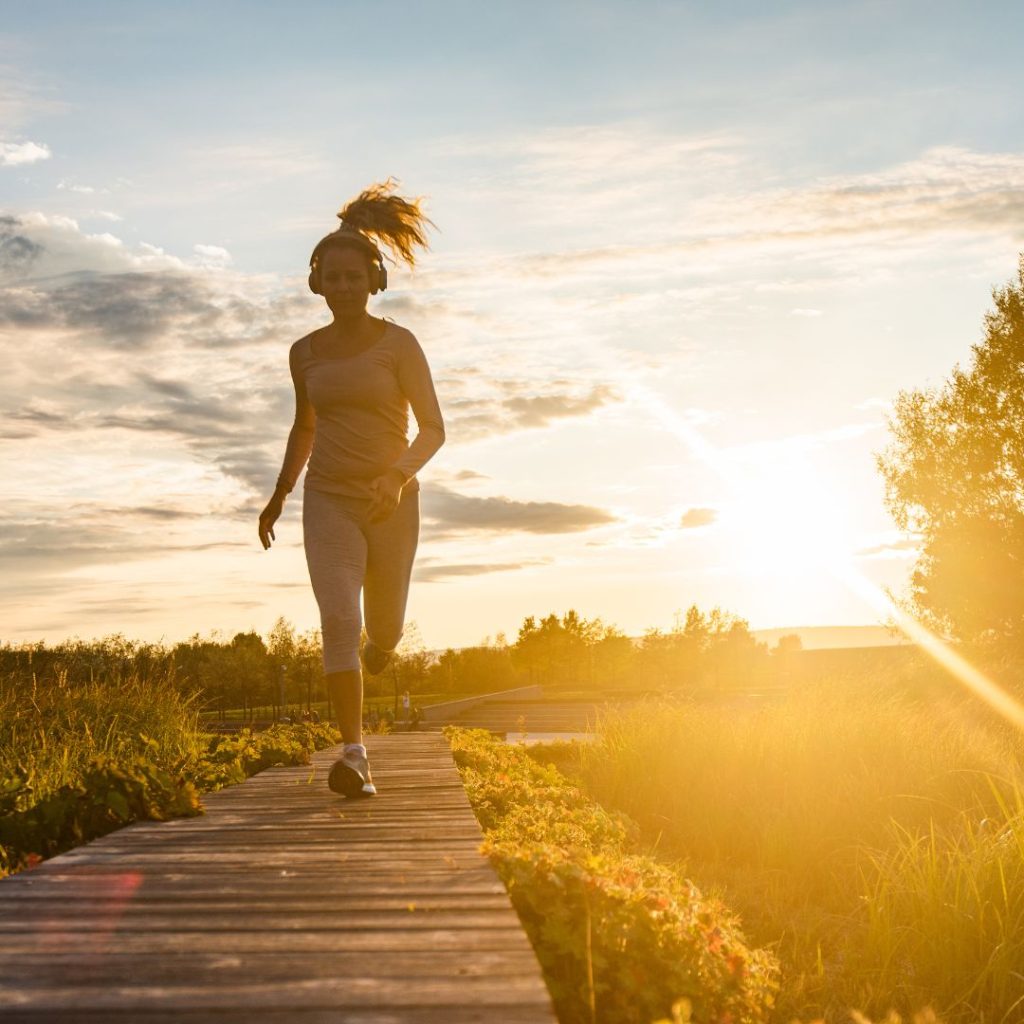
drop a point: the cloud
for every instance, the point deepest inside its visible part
(14, 154)
(93, 536)
(85, 190)
(125, 311)
(904, 547)
(480, 407)
(212, 256)
(109, 340)
(694, 517)
(17, 251)
(425, 573)
(945, 190)
(448, 512)
(703, 212)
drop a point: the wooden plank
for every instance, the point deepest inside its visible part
(282, 899)
(151, 968)
(282, 993)
(508, 1013)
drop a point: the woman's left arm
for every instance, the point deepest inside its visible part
(418, 387)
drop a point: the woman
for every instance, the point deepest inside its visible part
(355, 381)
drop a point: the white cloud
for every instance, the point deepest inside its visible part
(642, 210)
(212, 256)
(85, 190)
(14, 154)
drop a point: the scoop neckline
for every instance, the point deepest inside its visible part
(356, 355)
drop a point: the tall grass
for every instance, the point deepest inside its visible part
(945, 912)
(51, 731)
(847, 830)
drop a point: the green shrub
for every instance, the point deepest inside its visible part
(155, 785)
(109, 795)
(619, 936)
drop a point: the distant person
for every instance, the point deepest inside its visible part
(355, 381)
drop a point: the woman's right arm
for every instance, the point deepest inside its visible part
(296, 455)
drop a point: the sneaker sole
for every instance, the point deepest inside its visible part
(375, 663)
(348, 782)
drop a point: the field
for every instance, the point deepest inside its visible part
(875, 842)
(855, 842)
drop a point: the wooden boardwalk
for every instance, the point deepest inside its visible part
(283, 903)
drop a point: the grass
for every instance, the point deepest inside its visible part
(875, 842)
(80, 759)
(52, 731)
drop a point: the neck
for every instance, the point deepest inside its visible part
(352, 324)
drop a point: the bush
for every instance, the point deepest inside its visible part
(112, 792)
(619, 936)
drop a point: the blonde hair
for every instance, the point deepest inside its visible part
(385, 219)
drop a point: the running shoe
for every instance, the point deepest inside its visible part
(374, 659)
(351, 775)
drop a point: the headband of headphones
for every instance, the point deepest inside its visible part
(348, 235)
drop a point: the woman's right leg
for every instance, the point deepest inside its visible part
(346, 693)
(391, 549)
(336, 557)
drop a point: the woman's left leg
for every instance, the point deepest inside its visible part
(390, 551)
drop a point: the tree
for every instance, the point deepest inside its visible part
(954, 474)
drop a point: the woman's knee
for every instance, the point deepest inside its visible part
(340, 636)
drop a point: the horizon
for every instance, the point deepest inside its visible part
(811, 637)
(668, 306)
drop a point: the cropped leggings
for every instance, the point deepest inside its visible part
(345, 555)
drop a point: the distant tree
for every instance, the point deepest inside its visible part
(954, 474)
(249, 669)
(787, 645)
(411, 660)
(558, 650)
(732, 652)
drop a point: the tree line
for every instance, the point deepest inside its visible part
(703, 650)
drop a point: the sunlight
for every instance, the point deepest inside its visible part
(806, 527)
(783, 522)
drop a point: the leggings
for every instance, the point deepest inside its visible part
(346, 555)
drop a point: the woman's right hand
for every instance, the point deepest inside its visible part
(268, 517)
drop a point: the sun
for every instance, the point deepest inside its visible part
(783, 520)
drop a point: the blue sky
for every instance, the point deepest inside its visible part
(686, 257)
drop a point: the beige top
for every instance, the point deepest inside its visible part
(362, 407)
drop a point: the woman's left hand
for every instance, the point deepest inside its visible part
(386, 491)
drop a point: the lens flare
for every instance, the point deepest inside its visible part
(801, 518)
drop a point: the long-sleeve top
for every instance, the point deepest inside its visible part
(362, 407)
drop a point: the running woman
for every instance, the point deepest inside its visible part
(355, 381)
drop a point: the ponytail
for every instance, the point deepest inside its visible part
(396, 223)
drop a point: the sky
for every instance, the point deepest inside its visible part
(686, 256)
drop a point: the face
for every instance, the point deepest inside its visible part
(345, 280)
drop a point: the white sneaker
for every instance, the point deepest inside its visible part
(351, 775)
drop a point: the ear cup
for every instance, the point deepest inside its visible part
(378, 278)
(314, 281)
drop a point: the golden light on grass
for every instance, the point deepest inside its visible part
(792, 524)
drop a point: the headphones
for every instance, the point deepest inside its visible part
(378, 272)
